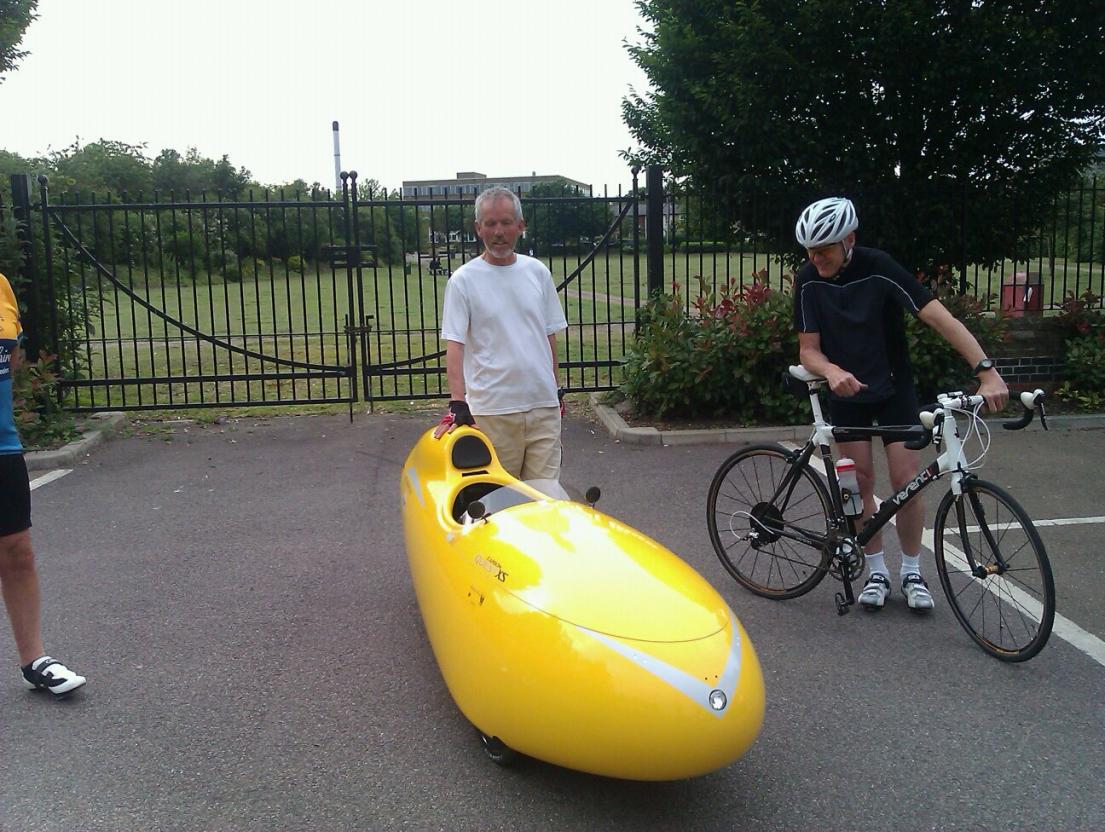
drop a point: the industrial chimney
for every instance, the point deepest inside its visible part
(337, 160)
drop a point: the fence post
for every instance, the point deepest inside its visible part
(963, 239)
(654, 229)
(636, 241)
(349, 200)
(21, 210)
(55, 336)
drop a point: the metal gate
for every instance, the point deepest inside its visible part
(597, 273)
(172, 301)
(163, 303)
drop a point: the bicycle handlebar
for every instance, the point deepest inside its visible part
(798, 376)
(1030, 402)
(931, 415)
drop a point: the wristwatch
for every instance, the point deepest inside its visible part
(984, 365)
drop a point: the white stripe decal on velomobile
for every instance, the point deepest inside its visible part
(413, 477)
(694, 688)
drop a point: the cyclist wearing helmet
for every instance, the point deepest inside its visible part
(848, 303)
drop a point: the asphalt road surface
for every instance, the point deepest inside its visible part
(239, 597)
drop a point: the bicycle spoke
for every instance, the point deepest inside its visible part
(1009, 612)
(771, 548)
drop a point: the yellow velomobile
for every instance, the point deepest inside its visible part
(566, 635)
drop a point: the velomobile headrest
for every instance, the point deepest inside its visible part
(471, 452)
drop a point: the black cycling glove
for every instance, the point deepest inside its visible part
(461, 415)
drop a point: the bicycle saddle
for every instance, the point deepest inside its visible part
(802, 374)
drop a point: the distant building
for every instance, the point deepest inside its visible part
(469, 183)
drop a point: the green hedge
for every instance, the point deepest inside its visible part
(701, 246)
(39, 416)
(723, 354)
(725, 357)
(1082, 322)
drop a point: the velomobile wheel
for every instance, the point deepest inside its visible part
(496, 750)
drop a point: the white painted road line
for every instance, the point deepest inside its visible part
(1062, 521)
(1069, 521)
(1066, 629)
(49, 477)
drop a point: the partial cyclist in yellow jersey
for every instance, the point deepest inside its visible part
(18, 576)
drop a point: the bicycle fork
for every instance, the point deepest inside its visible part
(978, 570)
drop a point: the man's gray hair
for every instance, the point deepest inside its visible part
(498, 192)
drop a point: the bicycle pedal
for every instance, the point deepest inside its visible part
(842, 606)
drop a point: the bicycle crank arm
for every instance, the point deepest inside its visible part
(845, 600)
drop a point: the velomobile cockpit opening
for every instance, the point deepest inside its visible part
(472, 456)
(495, 496)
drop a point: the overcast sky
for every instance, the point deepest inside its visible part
(422, 88)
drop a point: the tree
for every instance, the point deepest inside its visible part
(928, 112)
(14, 163)
(100, 168)
(562, 226)
(195, 174)
(15, 17)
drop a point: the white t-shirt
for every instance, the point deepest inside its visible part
(504, 316)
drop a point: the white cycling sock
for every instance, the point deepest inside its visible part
(876, 563)
(911, 565)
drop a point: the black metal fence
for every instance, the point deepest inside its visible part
(178, 301)
(1061, 256)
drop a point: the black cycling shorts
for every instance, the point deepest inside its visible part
(901, 409)
(15, 495)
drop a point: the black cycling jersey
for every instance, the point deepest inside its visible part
(858, 314)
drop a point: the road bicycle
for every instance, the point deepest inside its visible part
(778, 525)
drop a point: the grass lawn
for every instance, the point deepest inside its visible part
(301, 317)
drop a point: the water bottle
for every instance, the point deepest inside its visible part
(849, 486)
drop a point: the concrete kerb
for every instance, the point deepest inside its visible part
(622, 432)
(99, 427)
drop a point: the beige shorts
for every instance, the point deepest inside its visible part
(527, 444)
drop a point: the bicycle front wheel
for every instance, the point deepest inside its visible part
(758, 509)
(995, 571)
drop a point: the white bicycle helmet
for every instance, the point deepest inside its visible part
(826, 221)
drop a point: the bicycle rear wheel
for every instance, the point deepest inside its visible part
(995, 571)
(748, 529)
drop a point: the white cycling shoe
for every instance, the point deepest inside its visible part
(875, 591)
(916, 593)
(46, 673)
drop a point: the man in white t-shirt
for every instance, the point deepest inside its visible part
(500, 322)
